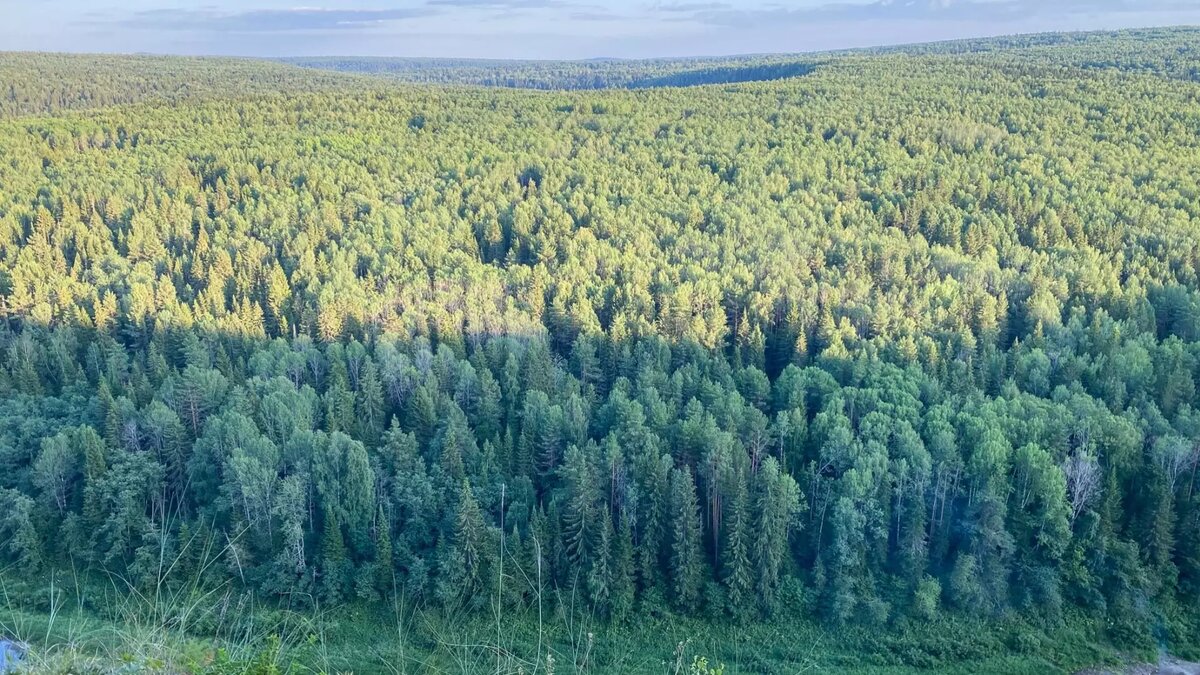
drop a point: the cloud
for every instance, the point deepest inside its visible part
(544, 10)
(499, 4)
(602, 15)
(919, 10)
(691, 7)
(270, 20)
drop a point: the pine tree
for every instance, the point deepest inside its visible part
(455, 444)
(655, 523)
(114, 422)
(384, 566)
(536, 554)
(600, 577)
(1160, 535)
(420, 413)
(369, 404)
(339, 407)
(622, 594)
(737, 573)
(278, 293)
(335, 574)
(777, 503)
(687, 565)
(580, 508)
(95, 466)
(469, 542)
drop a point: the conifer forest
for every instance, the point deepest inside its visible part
(879, 360)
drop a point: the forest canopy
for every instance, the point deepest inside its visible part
(916, 333)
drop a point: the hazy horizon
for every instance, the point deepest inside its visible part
(549, 29)
(603, 57)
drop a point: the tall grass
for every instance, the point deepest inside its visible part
(205, 623)
(165, 624)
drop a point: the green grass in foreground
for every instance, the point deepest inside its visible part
(223, 633)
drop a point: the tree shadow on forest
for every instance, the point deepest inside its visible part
(726, 75)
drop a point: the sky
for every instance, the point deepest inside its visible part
(545, 29)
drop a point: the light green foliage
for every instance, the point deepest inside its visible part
(700, 667)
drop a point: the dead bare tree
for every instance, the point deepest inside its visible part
(1083, 482)
(1175, 456)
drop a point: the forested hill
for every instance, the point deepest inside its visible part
(1169, 52)
(909, 340)
(39, 84)
(594, 74)
(33, 84)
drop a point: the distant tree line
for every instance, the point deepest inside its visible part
(591, 74)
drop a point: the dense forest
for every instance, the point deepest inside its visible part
(33, 84)
(593, 74)
(915, 335)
